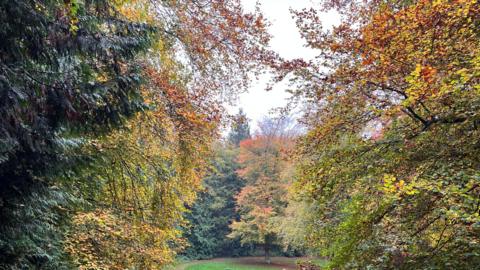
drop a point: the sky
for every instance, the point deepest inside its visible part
(286, 41)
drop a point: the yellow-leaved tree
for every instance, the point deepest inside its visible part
(142, 177)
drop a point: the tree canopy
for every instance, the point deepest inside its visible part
(108, 112)
(240, 129)
(389, 164)
(264, 168)
(215, 207)
(112, 157)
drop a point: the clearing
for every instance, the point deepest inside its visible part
(246, 263)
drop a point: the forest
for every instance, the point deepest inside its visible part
(119, 148)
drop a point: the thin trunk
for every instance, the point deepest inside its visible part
(267, 249)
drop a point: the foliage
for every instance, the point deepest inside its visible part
(102, 240)
(29, 235)
(146, 191)
(88, 110)
(390, 162)
(167, 148)
(62, 65)
(214, 210)
(240, 129)
(215, 207)
(64, 75)
(293, 225)
(262, 200)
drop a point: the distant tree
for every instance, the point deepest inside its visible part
(263, 199)
(240, 129)
(214, 209)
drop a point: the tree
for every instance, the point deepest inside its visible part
(240, 129)
(139, 198)
(66, 72)
(262, 200)
(214, 209)
(110, 108)
(151, 170)
(389, 162)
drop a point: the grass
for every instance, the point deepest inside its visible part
(225, 266)
(245, 263)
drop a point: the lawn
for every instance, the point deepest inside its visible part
(227, 265)
(247, 263)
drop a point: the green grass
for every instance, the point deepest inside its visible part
(226, 266)
(246, 263)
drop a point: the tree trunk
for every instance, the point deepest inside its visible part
(267, 250)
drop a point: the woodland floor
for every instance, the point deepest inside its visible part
(246, 263)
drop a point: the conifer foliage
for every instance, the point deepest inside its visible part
(215, 208)
(65, 72)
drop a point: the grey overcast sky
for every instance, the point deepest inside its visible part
(287, 42)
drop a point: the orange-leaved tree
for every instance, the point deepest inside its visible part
(391, 159)
(264, 166)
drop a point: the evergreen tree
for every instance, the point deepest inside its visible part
(66, 72)
(240, 129)
(215, 208)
